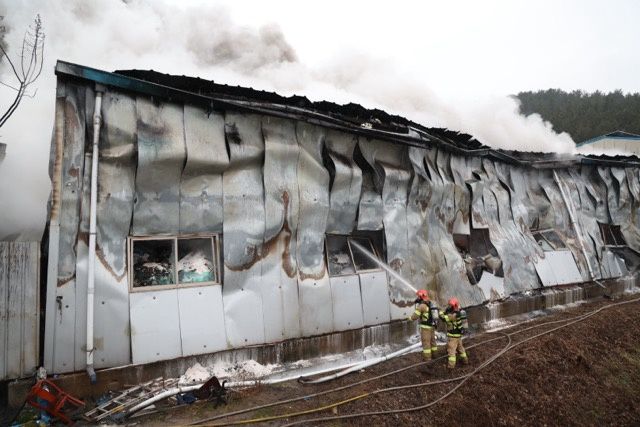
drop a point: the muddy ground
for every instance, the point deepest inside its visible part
(585, 374)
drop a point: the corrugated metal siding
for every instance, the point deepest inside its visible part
(274, 187)
(19, 308)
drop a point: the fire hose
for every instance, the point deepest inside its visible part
(462, 378)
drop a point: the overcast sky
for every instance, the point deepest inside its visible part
(469, 48)
(444, 63)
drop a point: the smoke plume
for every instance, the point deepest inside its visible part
(205, 41)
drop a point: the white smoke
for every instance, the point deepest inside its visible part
(204, 41)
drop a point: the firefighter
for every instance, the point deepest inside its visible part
(427, 311)
(456, 320)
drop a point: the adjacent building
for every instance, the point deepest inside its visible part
(614, 143)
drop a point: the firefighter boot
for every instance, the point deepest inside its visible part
(464, 359)
(451, 362)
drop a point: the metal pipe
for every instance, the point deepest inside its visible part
(363, 365)
(97, 120)
(574, 223)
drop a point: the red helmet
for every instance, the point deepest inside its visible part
(453, 302)
(423, 294)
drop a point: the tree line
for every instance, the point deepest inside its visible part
(584, 115)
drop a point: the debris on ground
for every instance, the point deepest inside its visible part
(48, 397)
(114, 405)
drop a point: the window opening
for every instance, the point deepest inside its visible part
(344, 256)
(612, 235)
(169, 262)
(195, 261)
(478, 254)
(153, 263)
(548, 240)
(340, 261)
(362, 261)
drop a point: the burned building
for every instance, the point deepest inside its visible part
(226, 217)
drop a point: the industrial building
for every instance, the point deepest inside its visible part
(217, 218)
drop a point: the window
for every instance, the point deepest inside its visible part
(169, 262)
(350, 255)
(611, 235)
(549, 240)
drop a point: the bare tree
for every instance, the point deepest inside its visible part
(30, 67)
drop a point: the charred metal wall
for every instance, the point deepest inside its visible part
(273, 188)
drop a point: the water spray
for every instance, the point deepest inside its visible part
(382, 265)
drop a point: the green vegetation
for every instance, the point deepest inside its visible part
(584, 115)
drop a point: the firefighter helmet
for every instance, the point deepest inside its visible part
(453, 302)
(423, 295)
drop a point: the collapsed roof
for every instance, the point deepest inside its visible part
(350, 117)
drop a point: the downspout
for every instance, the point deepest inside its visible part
(97, 120)
(576, 226)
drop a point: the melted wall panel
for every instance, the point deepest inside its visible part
(116, 185)
(161, 156)
(314, 288)
(72, 178)
(391, 164)
(279, 268)
(347, 182)
(243, 231)
(201, 182)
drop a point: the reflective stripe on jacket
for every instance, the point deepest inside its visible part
(423, 312)
(455, 320)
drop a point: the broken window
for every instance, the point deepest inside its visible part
(611, 235)
(173, 261)
(462, 243)
(478, 253)
(195, 261)
(339, 256)
(549, 240)
(153, 262)
(364, 255)
(480, 243)
(351, 254)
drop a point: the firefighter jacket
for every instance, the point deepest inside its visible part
(427, 312)
(456, 321)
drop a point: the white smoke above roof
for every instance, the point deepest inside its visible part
(205, 41)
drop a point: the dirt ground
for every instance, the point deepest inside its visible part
(585, 374)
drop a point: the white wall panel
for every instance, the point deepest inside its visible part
(375, 298)
(155, 326)
(347, 303)
(201, 320)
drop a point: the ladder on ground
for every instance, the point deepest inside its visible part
(116, 407)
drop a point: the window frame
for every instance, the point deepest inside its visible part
(552, 245)
(613, 230)
(215, 251)
(355, 268)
